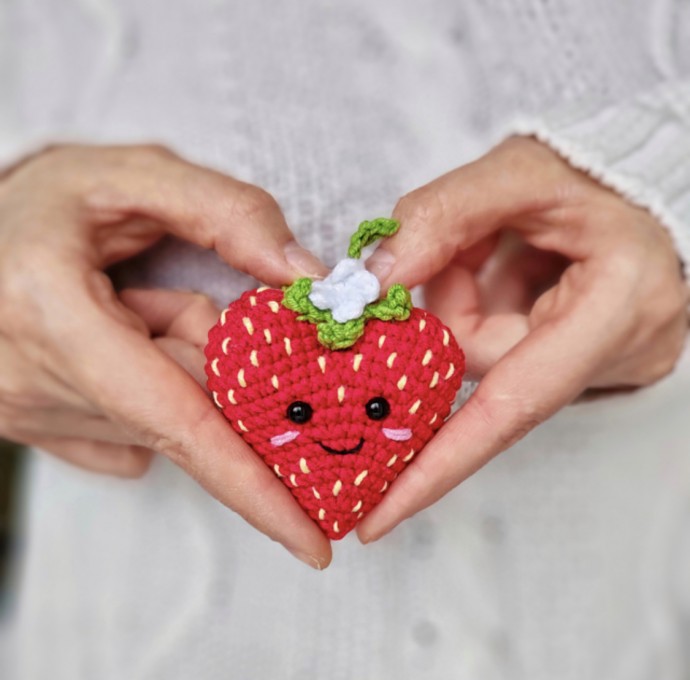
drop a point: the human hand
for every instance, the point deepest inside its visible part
(615, 317)
(81, 376)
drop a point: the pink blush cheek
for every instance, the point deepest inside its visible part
(397, 435)
(284, 438)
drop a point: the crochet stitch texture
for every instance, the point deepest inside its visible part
(340, 462)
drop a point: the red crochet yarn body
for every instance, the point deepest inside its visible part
(338, 462)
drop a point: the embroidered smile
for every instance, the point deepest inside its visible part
(342, 452)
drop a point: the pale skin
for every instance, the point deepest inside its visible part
(102, 381)
(95, 378)
(588, 294)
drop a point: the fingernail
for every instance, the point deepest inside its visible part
(311, 560)
(367, 537)
(380, 263)
(302, 261)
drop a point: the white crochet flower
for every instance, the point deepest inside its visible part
(346, 291)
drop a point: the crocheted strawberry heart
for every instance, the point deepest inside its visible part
(336, 425)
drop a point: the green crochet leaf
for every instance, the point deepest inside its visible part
(296, 298)
(396, 306)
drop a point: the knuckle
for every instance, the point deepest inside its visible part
(658, 370)
(57, 153)
(153, 152)
(203, 301)
(182, 447)
(665, 364)
(628, 258)
(519, 154)
(252, 201)
(250, 482)
(25, 290)
(168, 446)
(509, 418)
(122, 158)
(136, 465)
(65, 165)
(421, 206)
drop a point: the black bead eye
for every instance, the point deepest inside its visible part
(299, 412)
(378, 408)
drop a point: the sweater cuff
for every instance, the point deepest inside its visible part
(639, 148)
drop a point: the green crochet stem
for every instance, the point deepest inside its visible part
(396, 306)
(368, 232)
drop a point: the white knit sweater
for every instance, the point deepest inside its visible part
(565, 558)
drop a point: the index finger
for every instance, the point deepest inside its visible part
(242, 222)
(135, 384)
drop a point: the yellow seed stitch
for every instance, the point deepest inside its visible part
(409, 456)
(451, 370)
(357, 507)
(225, 344)
(415, 406)
(254, 359)
(215, 398)
(242, 426)
(316, 493)
(248, 325)
(274, 306)
(360, 477)
(288, 346)
(391, 359)
(303, 466)
(446, 338)
(336, 528)
(214, 367)
(382, 339)
(274, 381)
(402, 382)
(433, 420)
(434, 380)
(322, 513)
(341, 394)
(391, 462)
(384, 487)
(267, 335)
(261, 289)
(240, 378)
(336, 487)
(322, 363)
(293, 480)
(427, 357)
(231, 397)
(276, 469)
(356, 362)
(252, 300)
(223, 317)
(361, 514)
(422, 324)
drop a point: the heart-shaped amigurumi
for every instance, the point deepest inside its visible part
(336, 390)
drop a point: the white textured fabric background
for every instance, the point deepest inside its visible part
(567, 557)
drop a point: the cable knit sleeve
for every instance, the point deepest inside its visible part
(639, 147)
